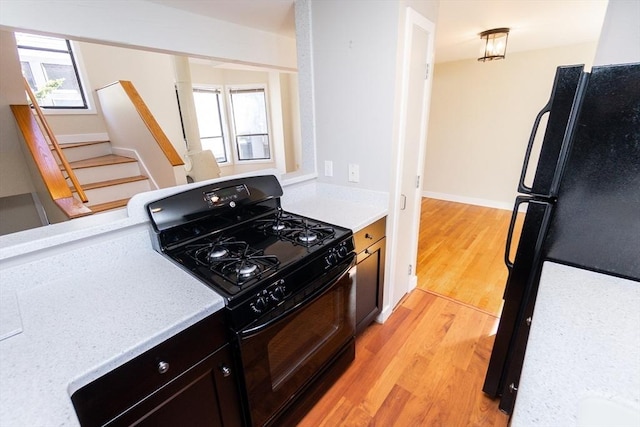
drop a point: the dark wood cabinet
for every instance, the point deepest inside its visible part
(187, 380)
(370, 247)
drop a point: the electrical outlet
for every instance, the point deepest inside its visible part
(328, 168)
(354, 172)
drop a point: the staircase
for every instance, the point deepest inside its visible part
(108, 180)
(91, 172)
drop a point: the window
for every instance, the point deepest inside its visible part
(249, 123)
(50, 69)
(209, 112)
(247, 108)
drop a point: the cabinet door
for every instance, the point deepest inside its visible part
(205, 395)
(369, 284)
(153, 376)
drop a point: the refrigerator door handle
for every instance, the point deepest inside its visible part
(512, 224)
(522, 187)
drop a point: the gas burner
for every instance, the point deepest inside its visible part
(307, 233)
(247, 270)
(307, 236)
(245, 266)
(217, 252)
(276, 224)
(234, 261)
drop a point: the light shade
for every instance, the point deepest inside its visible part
(495, 44)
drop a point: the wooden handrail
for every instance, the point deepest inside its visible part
(54, 143)
(151, 123)
(46, 163)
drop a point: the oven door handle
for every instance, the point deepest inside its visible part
(346, 264)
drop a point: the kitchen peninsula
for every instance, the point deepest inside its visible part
(83, 297)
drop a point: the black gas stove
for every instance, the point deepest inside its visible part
(287, 281)
(236, 238)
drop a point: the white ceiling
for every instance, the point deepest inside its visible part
(535, 24)
(274, 16)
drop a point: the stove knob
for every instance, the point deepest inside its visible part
(278, 293)
(342, 251)
(332, 259)
(259, 305)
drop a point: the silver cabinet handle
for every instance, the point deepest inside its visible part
(226, 371)
(404, 202)
(163, 367)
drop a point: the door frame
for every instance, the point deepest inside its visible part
(395, 290)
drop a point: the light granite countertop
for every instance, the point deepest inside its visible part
(75, 315)
(80, 298)
(582, 364)
(345, 206)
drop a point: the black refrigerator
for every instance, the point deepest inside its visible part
(583, 206)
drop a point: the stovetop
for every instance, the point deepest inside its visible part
(238, 258)
(235, 237)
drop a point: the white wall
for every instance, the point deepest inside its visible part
(354, 54)
(481, 118)
(348, 80)
(620, 39)
(150, 25)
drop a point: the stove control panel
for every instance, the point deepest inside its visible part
(335, 255)
(269, 297)
(226, 196)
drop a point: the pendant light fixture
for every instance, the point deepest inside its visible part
(495, 44)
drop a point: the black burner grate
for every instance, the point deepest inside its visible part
(233, 260)
(300, 231)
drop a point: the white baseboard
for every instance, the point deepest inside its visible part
(384, 314)
(413, 283)
(82, 137)
(469, 200)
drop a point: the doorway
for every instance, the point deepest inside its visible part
(461, 252)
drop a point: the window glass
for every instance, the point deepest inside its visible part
(51, 71)
(249, 110)
(208, 113)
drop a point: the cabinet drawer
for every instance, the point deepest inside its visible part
(370, 234)
(113, 393)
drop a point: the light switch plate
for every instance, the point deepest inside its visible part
(354, 172)
(328, 168)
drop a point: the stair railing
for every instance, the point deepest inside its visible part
(54, 143)
(45, 162)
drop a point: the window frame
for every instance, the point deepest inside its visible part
(77, 62)
(223, 119)
(236, 152)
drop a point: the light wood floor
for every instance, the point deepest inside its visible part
(425, 366)
(461, 252)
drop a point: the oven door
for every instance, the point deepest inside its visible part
(282, 357)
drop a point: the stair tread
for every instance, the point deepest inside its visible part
(79, 144)
(111, 182)
(101, 207)
(109, 159)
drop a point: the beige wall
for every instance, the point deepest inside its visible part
(18, 213)
(14, 174)
(152, 75)
(481, 118)
(291, 120)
